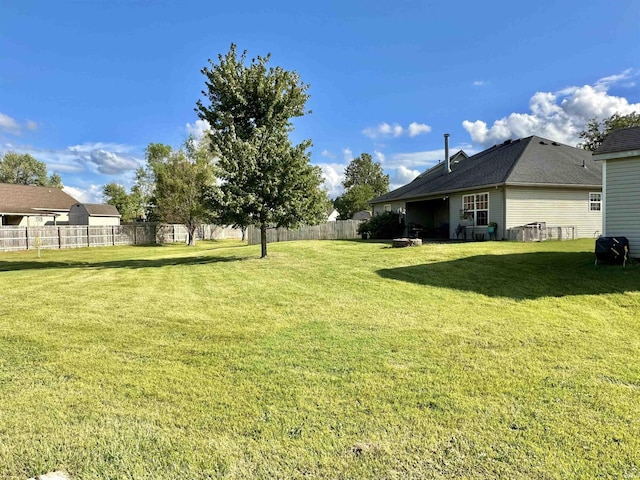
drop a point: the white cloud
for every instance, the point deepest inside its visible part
(9, 124)
(90, 194)
(105, 158)
(333, 177)
(558, 115)
(479, 83)
(384, 130)
(347, 154)
(198, 129)
(328, 154)
(418, 129)
(405, 175)
(380, 157)
(31, 125)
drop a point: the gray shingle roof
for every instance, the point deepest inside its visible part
(531, 160)
(29, 199)
(621, 140)
(100, 210)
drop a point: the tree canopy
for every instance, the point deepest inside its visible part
(264, 179)
(128, 204)
(23, 169)
(182, 187)
(364, 180)
(597, 131)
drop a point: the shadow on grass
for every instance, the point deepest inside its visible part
(140, 263)
(523, 276)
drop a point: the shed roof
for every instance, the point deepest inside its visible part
(30, 199)
(99, 209)
(621, 140)
(528, 161)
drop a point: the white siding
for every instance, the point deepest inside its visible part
(622, 201)
(555, 206)
(103, 221)
(496, 211)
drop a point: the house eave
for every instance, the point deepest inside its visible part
(554, 185)
(440, 193)
(616, 155)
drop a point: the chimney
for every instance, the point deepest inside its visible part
(447, 165)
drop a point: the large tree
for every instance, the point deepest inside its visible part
(183, 184)
(23, 169)
(264, 179)
(597, 131)
(364, 180)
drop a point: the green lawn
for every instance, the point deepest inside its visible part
(328, 359)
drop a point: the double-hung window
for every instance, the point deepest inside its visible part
(476, 207)
(595, 202)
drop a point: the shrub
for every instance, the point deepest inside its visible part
(384, 225)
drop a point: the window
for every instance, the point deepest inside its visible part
(595, 202)
(476, 208)
(387, 207)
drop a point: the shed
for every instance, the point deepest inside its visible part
(93, 214)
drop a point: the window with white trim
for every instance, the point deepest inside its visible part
(595, 202)
(476, 207)
(387, 207)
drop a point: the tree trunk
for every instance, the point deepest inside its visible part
(263, 240)
(244, 233)
(192, 235)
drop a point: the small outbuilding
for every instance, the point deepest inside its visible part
(93, 214)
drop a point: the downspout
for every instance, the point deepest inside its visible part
(447, 163)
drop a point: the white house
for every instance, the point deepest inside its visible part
(33, 206)
(620, 157)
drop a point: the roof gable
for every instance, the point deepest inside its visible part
(29, 199)
(531, 160)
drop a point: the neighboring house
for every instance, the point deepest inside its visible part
(333, 216)
(93, 214)
(620, 157)
(28, 205)
(513, 184)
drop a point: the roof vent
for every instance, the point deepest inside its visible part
(556, 144)
(543, 143)
(507, 142)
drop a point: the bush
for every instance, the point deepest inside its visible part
(383, 226)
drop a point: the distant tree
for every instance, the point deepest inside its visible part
(364, 180)
(183, 183)
(144, 186)
(128, 205)
(264, 179)
(353, 200)
(597, 130)
(23, 169)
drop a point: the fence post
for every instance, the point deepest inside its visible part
(26, 235)
(135, 235)
(59, 238)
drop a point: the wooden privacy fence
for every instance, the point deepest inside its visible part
(75, 236)
(338, 230)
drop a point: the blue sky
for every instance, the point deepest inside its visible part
(86, 85)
